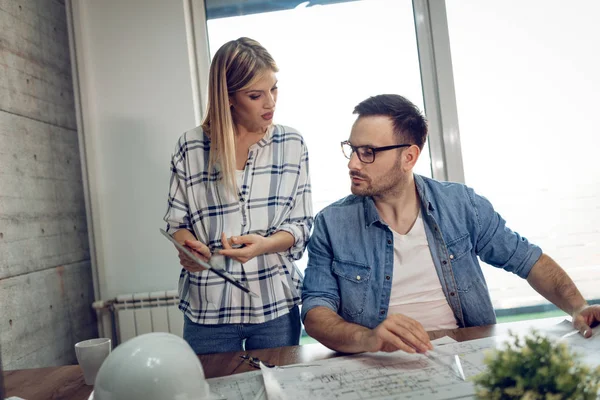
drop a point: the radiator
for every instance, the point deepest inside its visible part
(138, 313)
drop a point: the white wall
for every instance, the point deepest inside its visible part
(136, 99)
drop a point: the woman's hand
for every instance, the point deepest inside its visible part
(252, 245)
(200, 250)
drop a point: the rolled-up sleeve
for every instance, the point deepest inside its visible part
(300, 219)
(497, 244)
(320, 285)
(177, 215)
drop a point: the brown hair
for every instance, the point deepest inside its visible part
(409, 123)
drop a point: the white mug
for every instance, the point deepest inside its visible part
(90, 356)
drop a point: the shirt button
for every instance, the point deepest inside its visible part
(389, 241)
(358, 277)
(387, 277)
(452, 256)
(452, 293)
(444, 262)
(382, 312)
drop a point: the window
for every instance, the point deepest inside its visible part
(526, 78)
(326, 68)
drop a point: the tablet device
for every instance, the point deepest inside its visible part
(222, 273)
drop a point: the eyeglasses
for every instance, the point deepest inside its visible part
(366, 154)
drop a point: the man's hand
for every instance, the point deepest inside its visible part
(200, 250)
(398, 332)
(253, 245)
(586, 318)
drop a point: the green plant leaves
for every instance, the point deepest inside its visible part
(536, 368)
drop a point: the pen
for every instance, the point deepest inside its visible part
(222, 273)
(566, 335)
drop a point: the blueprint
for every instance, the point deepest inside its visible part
(364, 376)
(383, 375)
(587, 349)
(245, 386)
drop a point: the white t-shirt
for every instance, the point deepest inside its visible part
(239, 177)
(416, 289)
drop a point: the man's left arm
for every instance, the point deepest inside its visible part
(552, 282)
(499, 246)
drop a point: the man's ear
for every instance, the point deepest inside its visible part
(411, 156)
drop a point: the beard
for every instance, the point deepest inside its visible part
(386, 183)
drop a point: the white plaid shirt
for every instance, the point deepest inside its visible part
(275, 195)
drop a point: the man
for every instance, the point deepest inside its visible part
(399, 256)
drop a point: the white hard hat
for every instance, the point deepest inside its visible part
(153, 366)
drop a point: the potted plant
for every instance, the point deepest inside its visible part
(536, 367)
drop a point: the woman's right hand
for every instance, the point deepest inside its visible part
(200, 250)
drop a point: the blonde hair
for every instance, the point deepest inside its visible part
(235, 66)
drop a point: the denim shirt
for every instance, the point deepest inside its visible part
(351, 254)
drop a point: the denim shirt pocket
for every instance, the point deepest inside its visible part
(353, 281)
(459, 251)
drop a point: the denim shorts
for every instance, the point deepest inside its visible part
(206, 339)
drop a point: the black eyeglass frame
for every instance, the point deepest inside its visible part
(375, 150)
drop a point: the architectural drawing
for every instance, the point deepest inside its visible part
(364, 376)
(379, 375)
(588, 349)
(382, 376)
(246, 386)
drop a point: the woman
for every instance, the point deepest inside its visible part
(240, 198)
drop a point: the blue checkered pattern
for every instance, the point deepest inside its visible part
(274, 195)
